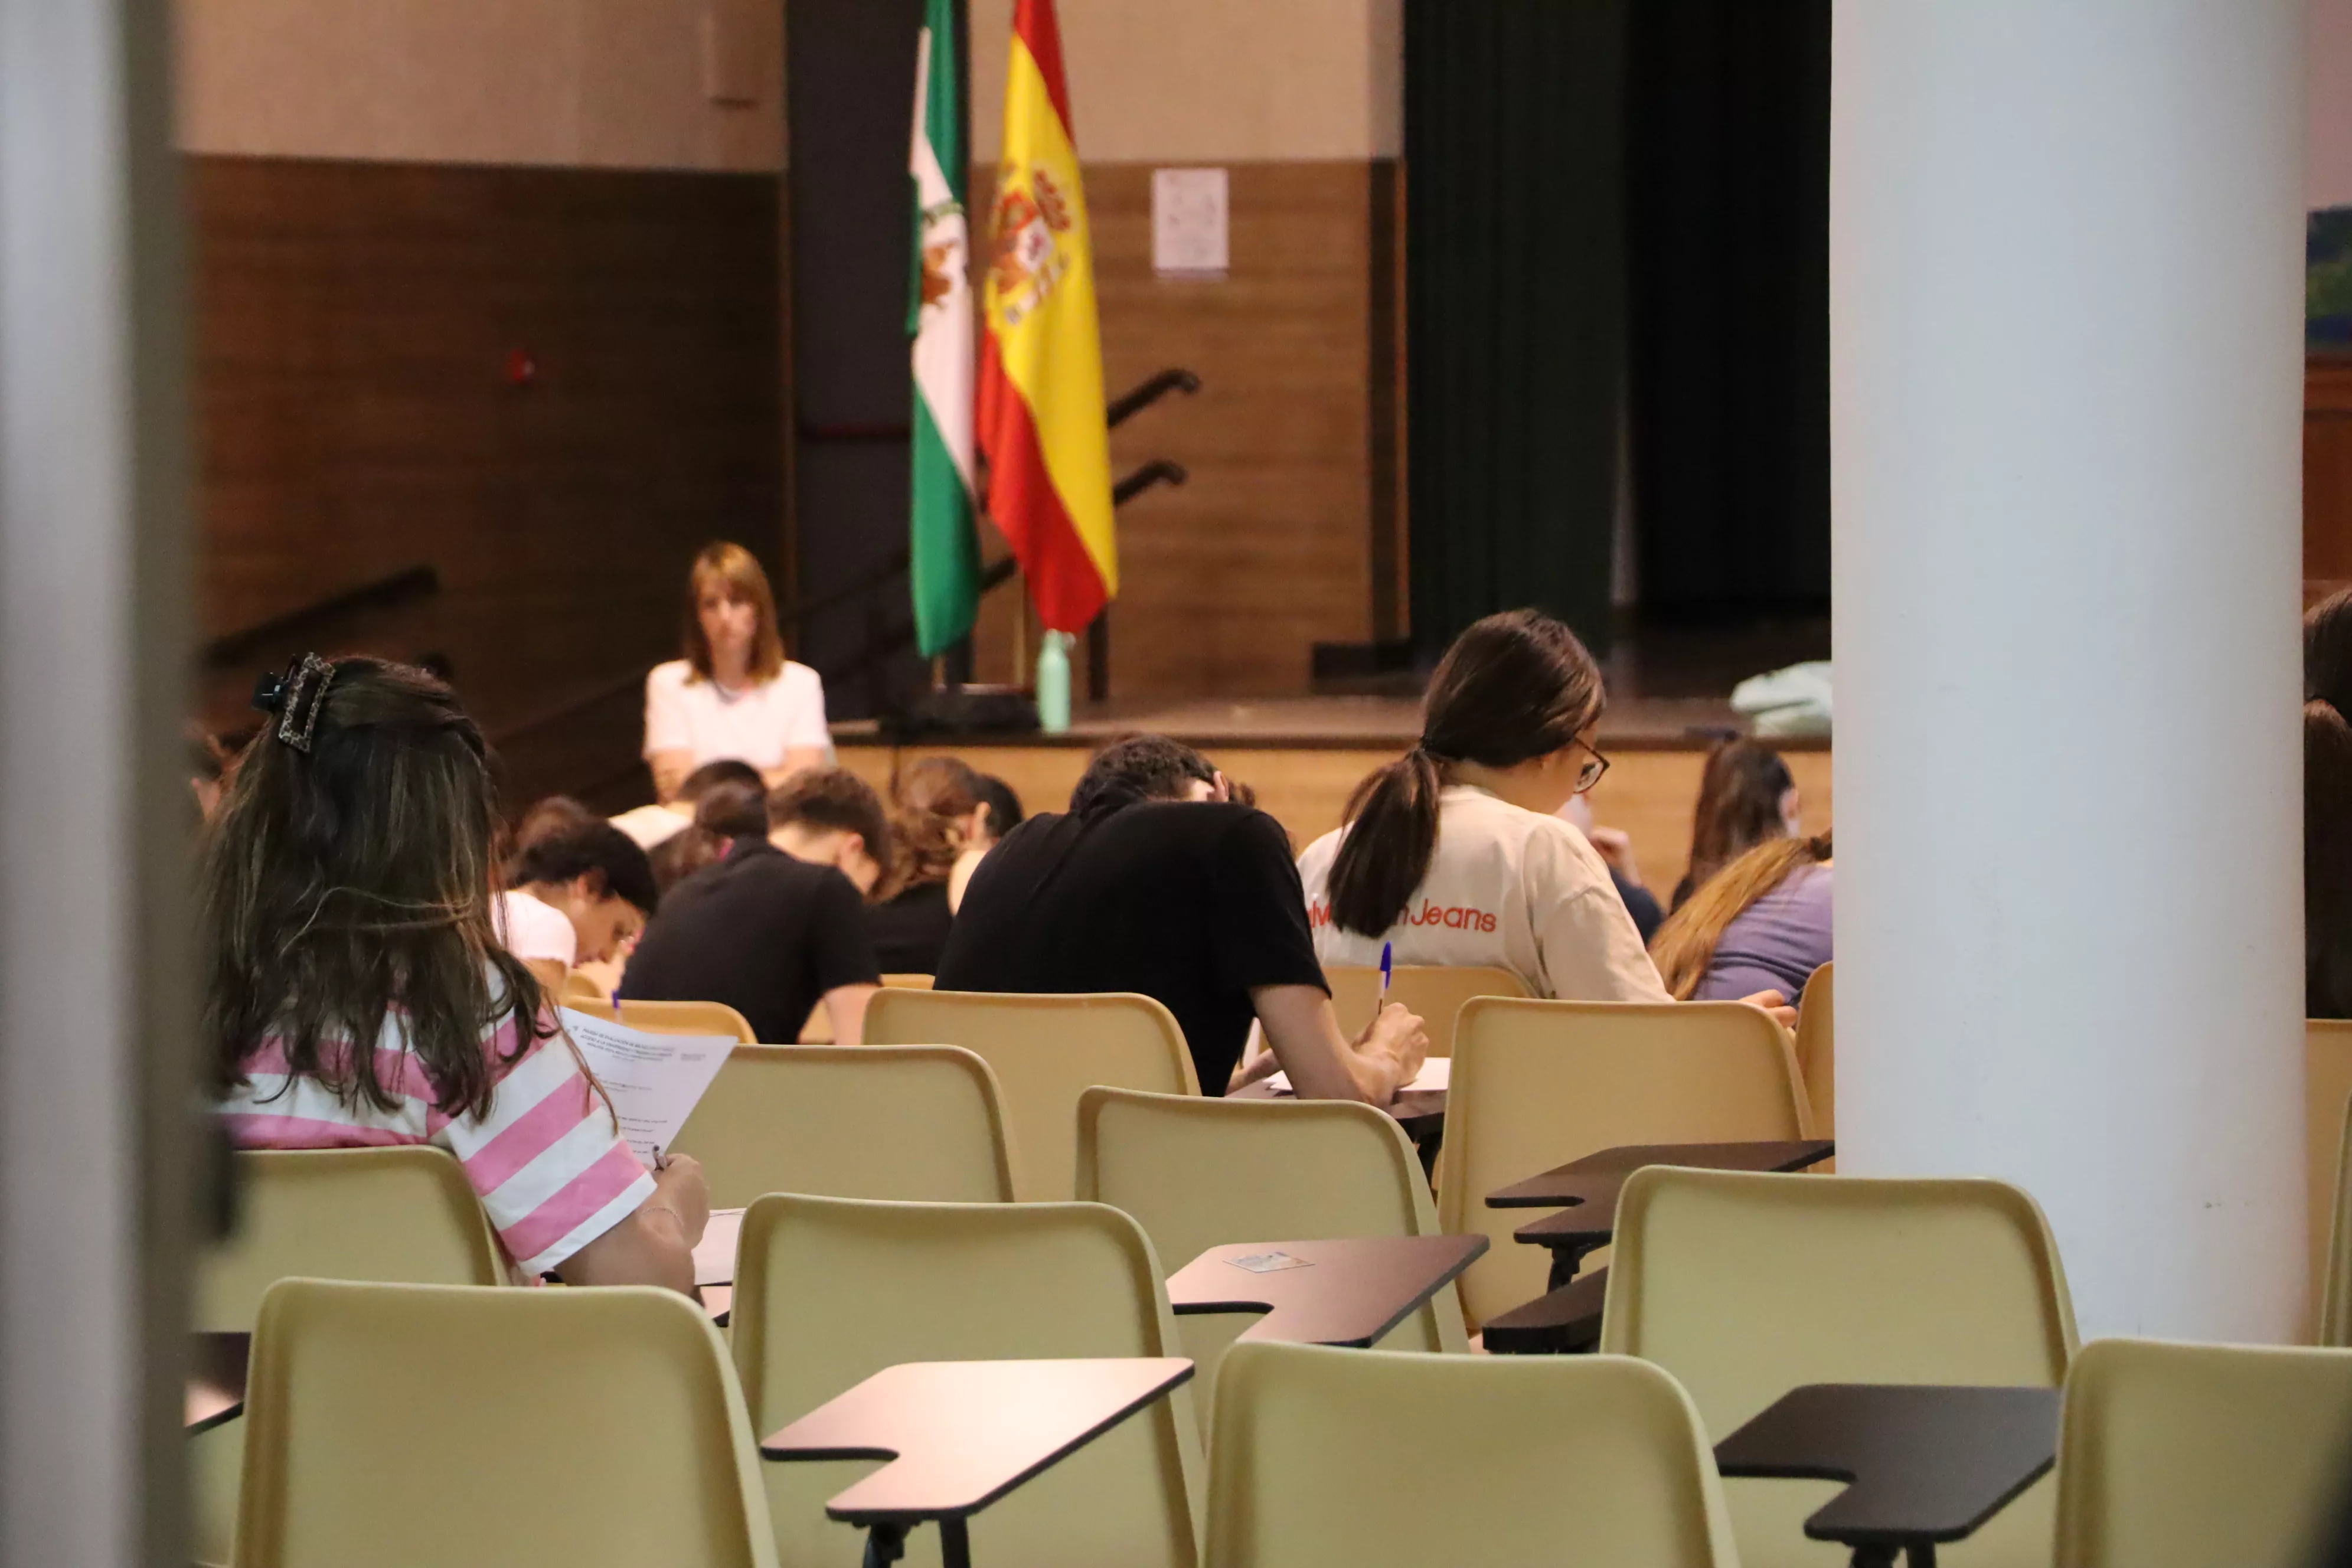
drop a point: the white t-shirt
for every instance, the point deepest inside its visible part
(757, 724)
(1508, 888)
(534, 929)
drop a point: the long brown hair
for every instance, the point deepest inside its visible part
(935, 798)
(1685, 945)
(2326, 861)
(1514, 686)
(1738, 805)
(735, 571)
(350, 883)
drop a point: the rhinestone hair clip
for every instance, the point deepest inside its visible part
(296, 698)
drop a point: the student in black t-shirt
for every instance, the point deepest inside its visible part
(780, 923)
(1155, 881)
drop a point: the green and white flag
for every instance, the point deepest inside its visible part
(945, 575)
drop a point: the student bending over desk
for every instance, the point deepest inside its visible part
(356, 994)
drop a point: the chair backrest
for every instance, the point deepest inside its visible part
(578, 987)
(830, 1291)
(851, 1121)
(1198, 1172)
(1046, 1052)
(404, 1216)
(687, 1018)
(2326, 1093)
(397, 1424)
(1435, 990)
(1537, 1084)
(1513, 1459)
(1746, 1286)
(2174, 1456)
(594, 1007)
(907, 982)
(1817, 1048)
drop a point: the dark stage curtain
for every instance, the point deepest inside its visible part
(1514, 241)
(1728, 205)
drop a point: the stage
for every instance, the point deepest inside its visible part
(1305, 756)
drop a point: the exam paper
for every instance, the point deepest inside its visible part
(654, 1080)
(1434, 1073)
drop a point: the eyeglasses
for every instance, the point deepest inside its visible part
(1589, 775)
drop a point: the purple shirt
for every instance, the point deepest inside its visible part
(1776, 943)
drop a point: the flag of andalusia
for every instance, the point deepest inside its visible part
(945, 569)
(1041, 384)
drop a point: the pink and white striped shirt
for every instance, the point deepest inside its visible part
(552, 1173)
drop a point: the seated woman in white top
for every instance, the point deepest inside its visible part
(1452, 854)
(734, 694)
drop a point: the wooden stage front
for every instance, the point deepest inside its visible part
(1305, 756)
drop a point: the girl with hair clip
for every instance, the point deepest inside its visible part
(734, 694)
(935, 810)
(356, 994)
(1453, 855)
(1746, 797)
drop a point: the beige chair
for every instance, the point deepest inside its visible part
(1435, 991)
(1817, 1048)
(831, 1290)
(1744, 1287)
(1396, 1461)
(907, 982)
(818, 1028)
(2327, 1091)
(1046, 1052)
(595, 1007)
(384, 1215)
(851, 1121)
(578, 988)
(1537, 1084)
(403, 1424)
(1197, 1173)
(687, 1018)
(2174, 1456)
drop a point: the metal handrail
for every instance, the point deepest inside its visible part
(238, 647)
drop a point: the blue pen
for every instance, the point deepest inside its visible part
(1388, 957)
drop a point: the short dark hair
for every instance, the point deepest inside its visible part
(1004, 812)
(722, 771)
(597, 847)
(732, 809)
(550, 816)
(833, 798)
(1139, 768)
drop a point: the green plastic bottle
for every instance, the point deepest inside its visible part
(1053, 683)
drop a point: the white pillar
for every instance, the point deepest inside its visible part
(2065, 317)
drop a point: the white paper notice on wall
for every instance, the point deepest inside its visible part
(1188, 223)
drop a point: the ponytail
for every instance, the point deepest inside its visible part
(1390, 838)
(1684, 946)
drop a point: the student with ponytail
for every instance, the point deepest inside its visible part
(1452, 853)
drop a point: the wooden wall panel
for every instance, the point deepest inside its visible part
(1226, 583)
(2327, 469)
(355, 325)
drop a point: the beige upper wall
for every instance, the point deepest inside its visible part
(602, 83)
(1212, 81)
(2329, 175)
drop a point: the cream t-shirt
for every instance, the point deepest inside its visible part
(757, 724)
(534, 929)
(1508, 888)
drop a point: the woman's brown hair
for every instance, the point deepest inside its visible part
(1739, 807)
(346, 883)
(1514, 686)
(935, 798)
(1685, 945)
(735, 572)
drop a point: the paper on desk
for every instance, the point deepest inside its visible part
(656, 1081)
(1434, 1073)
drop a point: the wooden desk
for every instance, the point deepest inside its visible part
(714, 1255)
(1577, 1181)
(1927, 1464)
(216, 1364)
(962, 1433)
(1342, 1292)
(1564, 1321)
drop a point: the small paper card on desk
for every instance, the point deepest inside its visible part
(1269, 1262)
(1436, 1072)
(656, 1081)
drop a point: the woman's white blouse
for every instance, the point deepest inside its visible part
(757, 724)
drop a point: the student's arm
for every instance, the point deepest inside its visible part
(655, 1245)
(1304, 1037)
(797, 760)
(845, 1006)
(670, 769)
